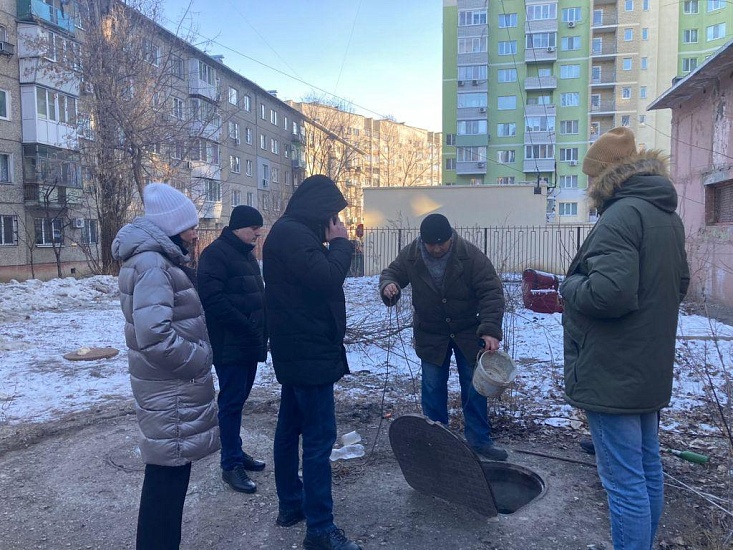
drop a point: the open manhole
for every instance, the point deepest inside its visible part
(436, 462)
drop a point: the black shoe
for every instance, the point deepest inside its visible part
(290, 517)
(586, 443)
(335, 539)
(252, 464)
(492, 452)
(238, 480)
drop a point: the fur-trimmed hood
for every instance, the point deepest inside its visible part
(644, 175)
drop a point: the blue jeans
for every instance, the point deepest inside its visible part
(235, 383)
(435, 397)
(306, 411)
(630, 468)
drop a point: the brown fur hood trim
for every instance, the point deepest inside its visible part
(652, 162)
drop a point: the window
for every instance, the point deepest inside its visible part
(571, 14)
(48, 232)
(472, 127)
(629, 5)
(236, 198)
(507, 102)
(450, 164)
(507, 47)
(472, 100)
(627, 64)
(475, 44)
(645, 5)
(568, 182)
(716, 5)
(5, 171)
(265, 175)
(250, 198)
(4, 104)
(569, 154)
(275, 174)
(540, 99)
(506, 157)
(539, 124)
(595, 74)
(246, 103)
(541, 40)
(263, 142)
(628, 35)
(714, 32)
(569, 127)
(626, 120)
(90, 232)
(8, 230)
(570, 99)
(234, 131)
(597, 45)
(248, 135)
(450, 139)
(177, 66)
(642, 119)
(568, 208)
(206, 73)
(505, 180)
(642, 92)
(507, 20)
(233, 96)
(151, 51)
(569, 71)
(545, 151)
(212, 190)
(506, 129)
(263, 111)
(471, 154)
(205, 151)
(644, 63)
(570, 43)
(275, 146)
(689, 64)
(46, 104)
(691, 7)
(689, 36)
(539, 12)
(234, 164)
(176, 151)
(472, 72)
(645, 33)
(721, 196)
(248, 168)
(471, 17)
(507, 75)
(67, 109)
(178, 108)
(626, 92)
(273, 117)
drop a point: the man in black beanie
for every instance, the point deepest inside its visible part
(458, 306)
(232, 293)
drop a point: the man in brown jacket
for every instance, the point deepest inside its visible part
(458, 305)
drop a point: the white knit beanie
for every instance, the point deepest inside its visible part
(169, 209)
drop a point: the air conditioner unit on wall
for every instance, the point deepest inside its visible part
(6, 48)
(550, 49)
(78, 223)
(461, 83)
(482, 165)
(573, 163)
(571, 24)
(482, 109)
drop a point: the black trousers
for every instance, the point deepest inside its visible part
(161, 507)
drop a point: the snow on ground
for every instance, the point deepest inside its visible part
(41, 321)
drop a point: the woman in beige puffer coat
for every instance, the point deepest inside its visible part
(169, 358)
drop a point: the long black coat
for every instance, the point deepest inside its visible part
(306, 307)
(232, 293)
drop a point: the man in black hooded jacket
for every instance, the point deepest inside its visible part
(306, 313)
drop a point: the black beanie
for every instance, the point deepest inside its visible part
(244, 216)
(435, 229)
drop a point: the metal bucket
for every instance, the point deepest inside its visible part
(495, 371)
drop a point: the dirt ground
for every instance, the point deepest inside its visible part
(75, 483)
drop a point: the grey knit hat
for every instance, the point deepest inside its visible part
(169, 209)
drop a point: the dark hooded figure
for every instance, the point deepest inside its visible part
(621, 303)
(306, 314)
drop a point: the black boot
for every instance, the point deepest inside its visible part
(238, 480)
(586, 443)
(335, 539)
(288, 518)
(252, 464)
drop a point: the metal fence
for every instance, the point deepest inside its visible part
(511, 249)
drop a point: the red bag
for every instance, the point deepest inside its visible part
(539, 291)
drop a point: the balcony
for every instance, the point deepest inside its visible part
(540, 83)
(608, 50)
(605, 22)
(540, 55)
(605, 106)
(470, 167)
(540, 110)
(538, 165)
(605, 80)
(210, 210)
(538, 137)
(298, 163)
(50, 196)
(38, 10)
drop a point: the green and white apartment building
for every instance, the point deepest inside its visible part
(528, 85)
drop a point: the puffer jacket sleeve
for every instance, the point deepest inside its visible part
(152, 312)
(322, 273)
(487, 286)
(608, 285)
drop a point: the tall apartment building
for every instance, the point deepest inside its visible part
(358, 151)
(529, 85)
(226, 141)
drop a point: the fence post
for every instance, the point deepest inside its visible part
(399, 240)
(486, 241)
(577, 243)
